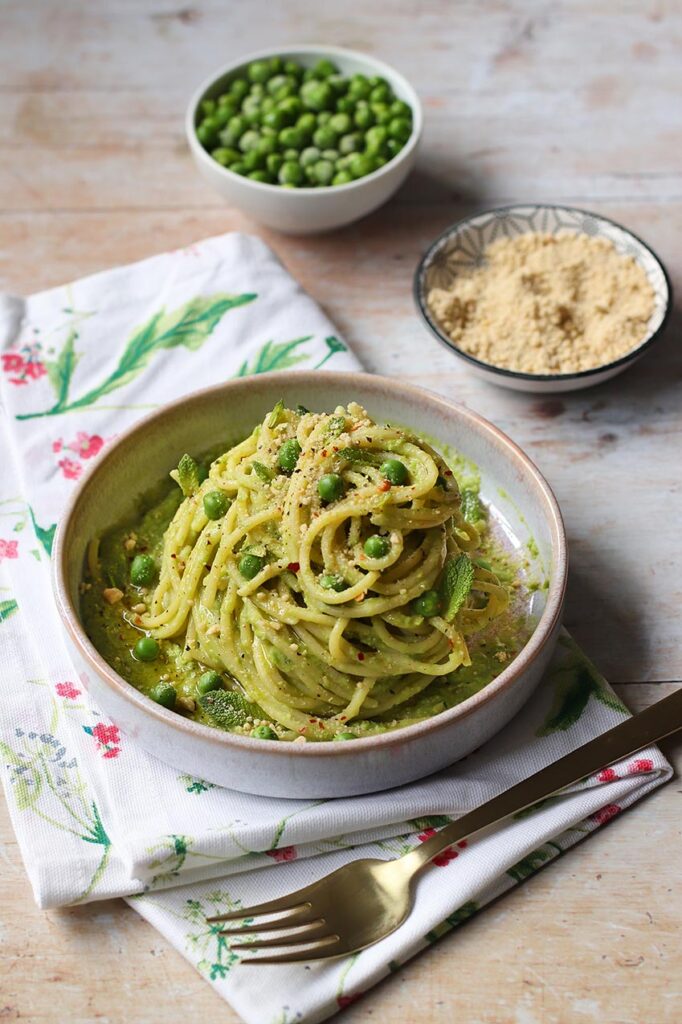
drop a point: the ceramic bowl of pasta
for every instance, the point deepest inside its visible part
(330, 584)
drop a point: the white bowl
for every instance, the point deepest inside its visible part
(462, 246)
(519, 499)
(301, 211)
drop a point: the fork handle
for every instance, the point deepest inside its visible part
(661, 719)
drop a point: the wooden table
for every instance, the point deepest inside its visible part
(576, 103)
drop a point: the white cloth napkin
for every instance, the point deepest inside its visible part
(94, 815)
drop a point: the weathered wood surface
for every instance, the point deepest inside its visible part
(576, 103)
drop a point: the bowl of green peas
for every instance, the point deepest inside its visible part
(306, 139)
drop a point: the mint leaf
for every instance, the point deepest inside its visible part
(262, 472)
(187, 475)
(358, 455)
(456, 582)
(471, 506)
(228, 709)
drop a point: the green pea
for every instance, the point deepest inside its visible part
(223, 115)
(291, 107)
(342, 178)
(251, 112)
(393, 146)
(395, 471)
(287, 457)
(359, 87)
(225, 156)
(275, 118)
(216, 504)
(310, 156)
(382, 113)
(165, 695)
(206, 135)
(400, 128)
(285, 90)
(250, 565)
(239, 88)
(263, 176)
(375, 139)
(361, 164)
(401, 109)
(345, 105)
(208, 106)
(277, 81)
(258, 90)
(324, 117)
(330, 154)
(293, 69)
(344, 736)
(276, 65)
(146, 649)
(340, 123)
(324, 68)
(330, 487)
(377, 546)
(333, 581)
(323, 172)
(427, 604)
(350, 143)
(364, 118)
(267, 144)
(316, 95)
(273, 163)
(210, 681)
(292, 138)
(266, 105)
(142, 571)
(254, 160)
(239, 168)
(324, 137)
(338, 83)
(264, 732)
(375, 80)
(258, 71)
(249, 140)
(290, 173)
(307, 123)
(380, 94)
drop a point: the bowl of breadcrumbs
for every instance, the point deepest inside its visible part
(543, 298)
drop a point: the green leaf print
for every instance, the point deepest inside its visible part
(44, 535)
(454, 920)
(274, 357)
(574, 685)
(7, 608)
(527, 866)
(60, 371)
(334, 345)
(188, 326)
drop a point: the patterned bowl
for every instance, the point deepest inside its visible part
(462, 246)
(519, 499)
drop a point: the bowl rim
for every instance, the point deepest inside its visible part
(541, 635)
(578, 375)
(200, 153)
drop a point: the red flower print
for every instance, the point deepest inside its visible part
(443, 858)
(25, 363)
(285, 853)
(107, 737)
(71, 470)
(605, 814)
(9, 549)
(642, 764)
(67, 690)
(607, 775)
(344, 1001)
(12, 362)
(57, 445)
(86, 445)
(106, 733)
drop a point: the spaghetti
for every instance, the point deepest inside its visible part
(327, 592)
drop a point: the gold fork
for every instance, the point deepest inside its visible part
(364, 901)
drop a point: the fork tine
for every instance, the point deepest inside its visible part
(312, 951)
(292, 922)
(272, 907)
(300, 938)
